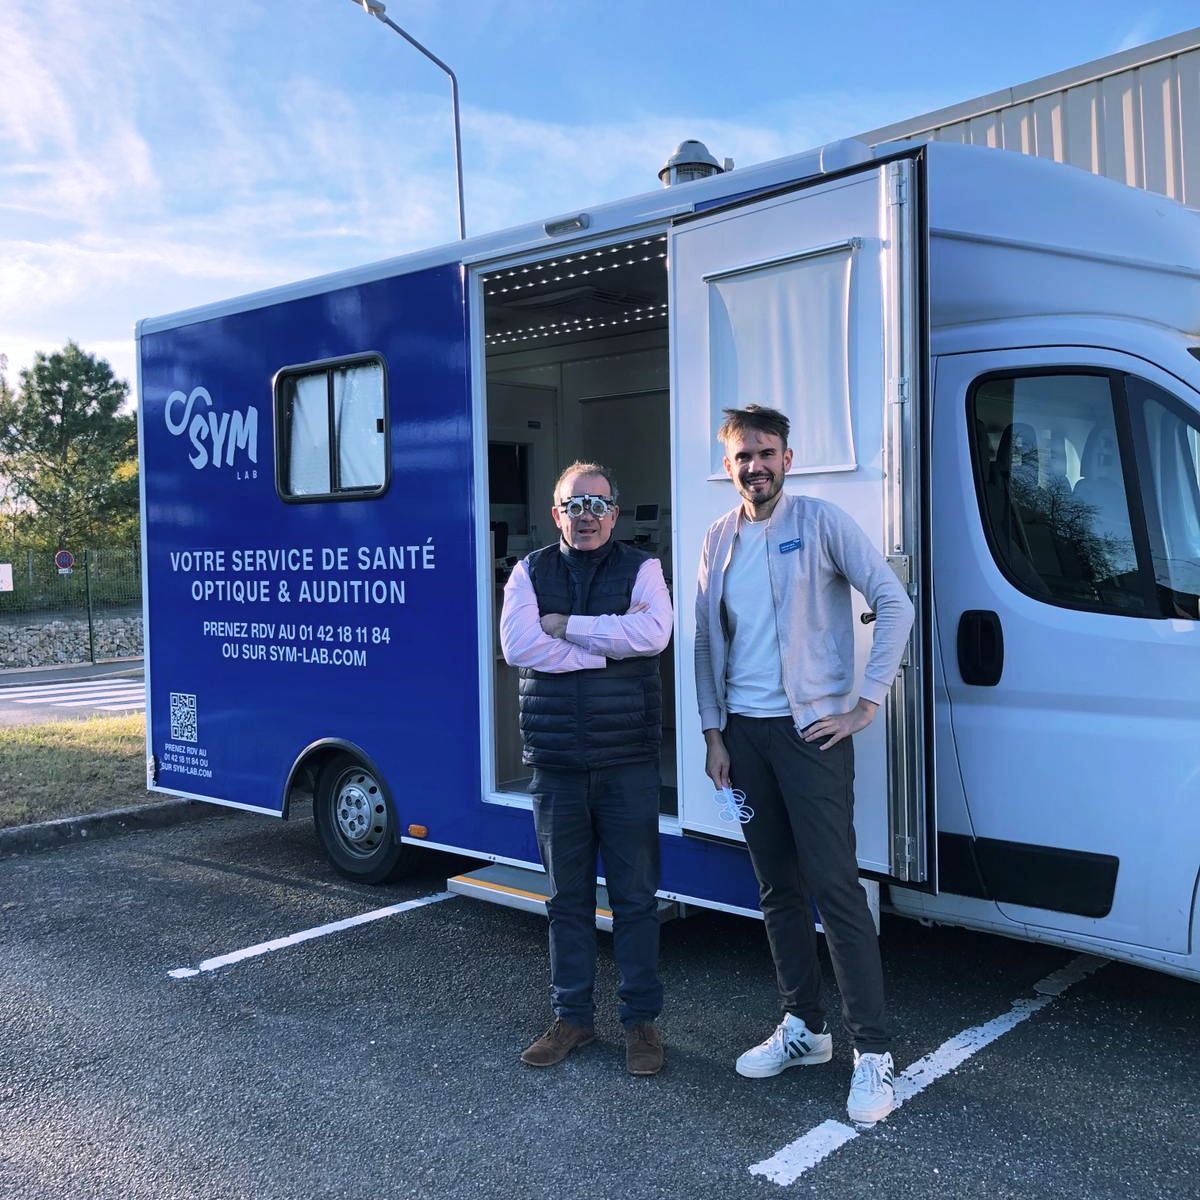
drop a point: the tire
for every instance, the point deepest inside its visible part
(356, 824)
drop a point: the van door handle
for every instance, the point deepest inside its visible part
(980, 647)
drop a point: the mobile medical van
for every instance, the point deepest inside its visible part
(990, 361)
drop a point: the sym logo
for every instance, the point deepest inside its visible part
(212, 434)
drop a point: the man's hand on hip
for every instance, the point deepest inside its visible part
(716, 758)
(841, 725)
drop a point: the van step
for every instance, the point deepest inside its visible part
(518, 887)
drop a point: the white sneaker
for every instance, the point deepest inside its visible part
(792, 1044)
(872, 1090)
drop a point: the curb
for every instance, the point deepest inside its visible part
(47, 835)
(119, 665)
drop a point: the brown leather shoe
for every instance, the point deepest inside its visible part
(644, 1054)
(556, 1043)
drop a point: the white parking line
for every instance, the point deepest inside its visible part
(787, 1165)
(305, 935)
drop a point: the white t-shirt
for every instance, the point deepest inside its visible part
(754, 675)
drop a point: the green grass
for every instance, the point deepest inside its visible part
(70, 767)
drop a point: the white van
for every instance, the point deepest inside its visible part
(990, 361)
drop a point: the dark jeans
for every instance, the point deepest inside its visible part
(801, 841)
(613, 810)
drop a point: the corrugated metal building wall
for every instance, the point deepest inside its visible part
(1134, 117)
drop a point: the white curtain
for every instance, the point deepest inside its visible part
(358, 418)
(779, 336)
(308, 459)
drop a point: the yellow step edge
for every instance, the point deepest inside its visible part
(512, 891)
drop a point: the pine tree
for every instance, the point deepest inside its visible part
(67, 450)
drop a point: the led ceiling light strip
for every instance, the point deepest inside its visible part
(533, 333)
(588, 256)
(517, 287)
(570, 258)
(564, 321)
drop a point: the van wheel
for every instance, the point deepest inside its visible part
(355, 823)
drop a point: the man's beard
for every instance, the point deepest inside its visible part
(774, 487)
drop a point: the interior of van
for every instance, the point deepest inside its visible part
(577, 367)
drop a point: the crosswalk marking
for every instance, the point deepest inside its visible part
(109, 695)
(55, 689)
(82, 695)
(79, 686)
(129, 695)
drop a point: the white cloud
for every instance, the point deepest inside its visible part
(68, 109)
(33, 107)
(520, 170)
(275, 227)
(153, 160)
(1145, 29)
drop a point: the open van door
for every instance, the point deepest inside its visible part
(808, 301)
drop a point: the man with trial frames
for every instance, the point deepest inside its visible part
(585, 620)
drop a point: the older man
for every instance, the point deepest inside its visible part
(774, 680)
(585, 620)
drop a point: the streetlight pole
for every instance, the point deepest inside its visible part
(376, 8)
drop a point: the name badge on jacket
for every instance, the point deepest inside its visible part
(788, 547)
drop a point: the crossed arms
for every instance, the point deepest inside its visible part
(583, 643)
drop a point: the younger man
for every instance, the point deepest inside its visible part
(774, 680)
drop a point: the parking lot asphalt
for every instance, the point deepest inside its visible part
(381, 1061)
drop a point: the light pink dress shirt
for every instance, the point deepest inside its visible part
(589, 641)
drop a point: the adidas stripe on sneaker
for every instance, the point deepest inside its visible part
(872, 1088)
(792, 1044)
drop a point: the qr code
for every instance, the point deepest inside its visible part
(183, 717)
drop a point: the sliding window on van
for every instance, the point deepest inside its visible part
(1089, 490)
(331, 440)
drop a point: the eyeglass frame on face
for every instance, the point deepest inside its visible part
(586, 503)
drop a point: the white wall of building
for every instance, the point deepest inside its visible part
(1134, 117)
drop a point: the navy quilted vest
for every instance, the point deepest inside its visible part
(598, 718)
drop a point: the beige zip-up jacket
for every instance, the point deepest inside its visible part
(815, 554)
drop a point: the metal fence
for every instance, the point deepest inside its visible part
(93, 587)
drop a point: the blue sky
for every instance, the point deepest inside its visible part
(159, 155)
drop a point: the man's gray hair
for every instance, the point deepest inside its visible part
(586, 468)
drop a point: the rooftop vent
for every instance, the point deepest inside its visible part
(691, 160)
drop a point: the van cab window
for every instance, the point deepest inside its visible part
(331, 430)
(1089, 489)
(1052, 483)
(1170, 482)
